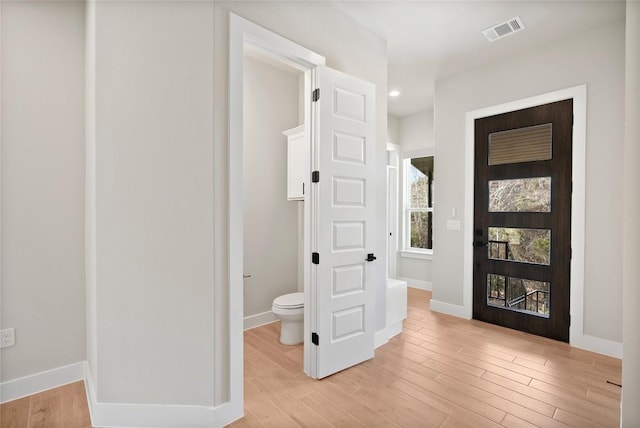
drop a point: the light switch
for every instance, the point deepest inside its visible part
(454, 225)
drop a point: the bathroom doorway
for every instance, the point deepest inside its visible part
(339, 292)
(334, 218)
(273, 229)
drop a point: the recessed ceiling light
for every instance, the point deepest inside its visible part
(394, 93)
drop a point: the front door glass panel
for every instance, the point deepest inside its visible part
(520, 245)
(531, 195)
(518, 294)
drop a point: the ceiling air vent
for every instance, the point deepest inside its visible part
(504, 29)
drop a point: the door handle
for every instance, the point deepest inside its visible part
(479, 244)
(370, 257)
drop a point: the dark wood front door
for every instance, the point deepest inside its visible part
(522, 219)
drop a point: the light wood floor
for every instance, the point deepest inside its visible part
(64, 407)
(440, 372)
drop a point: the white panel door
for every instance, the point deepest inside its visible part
(343, 221)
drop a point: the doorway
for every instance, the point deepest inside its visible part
(522, 219)
(273, 218)
(339, 124)
(241, 31)
(393, 160)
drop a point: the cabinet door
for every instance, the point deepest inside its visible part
(295, 167)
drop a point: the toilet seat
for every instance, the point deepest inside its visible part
(289, 301)
(289, 309)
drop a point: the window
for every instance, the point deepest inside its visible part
(418, 204)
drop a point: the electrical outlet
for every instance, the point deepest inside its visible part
(7, 337)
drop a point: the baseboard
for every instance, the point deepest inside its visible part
(393, 282)
(32, 384)
(383, 336)
(257, 320)
(394, 330)
(107, 415)
(417, 283)
(597, 344)
(448, 308)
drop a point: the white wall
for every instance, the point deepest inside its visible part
(270, 220)
(416, 131)
(393, 130)
(631, 320)
(416, 134)
(595, 58)
(153, 184)
(42, 71)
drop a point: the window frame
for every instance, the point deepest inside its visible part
(407, 251)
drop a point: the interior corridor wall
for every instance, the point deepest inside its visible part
(596, 58)
(42, 87)
(416, 131)
(630, 416)
(393, 130)
(270, 220)
(150, 191)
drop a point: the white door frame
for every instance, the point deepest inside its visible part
(242, 31)
(577, 337)
(392, 209)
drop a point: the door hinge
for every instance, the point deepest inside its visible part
(315, 339)
(315, 258)
(315, 95)
(315, 177)
(569, 320)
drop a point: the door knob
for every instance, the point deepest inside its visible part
(370, 257)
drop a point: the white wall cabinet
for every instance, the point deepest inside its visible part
(295, 163)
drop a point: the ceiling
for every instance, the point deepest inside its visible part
(431, 40)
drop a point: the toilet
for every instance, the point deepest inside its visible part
(289, 309)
